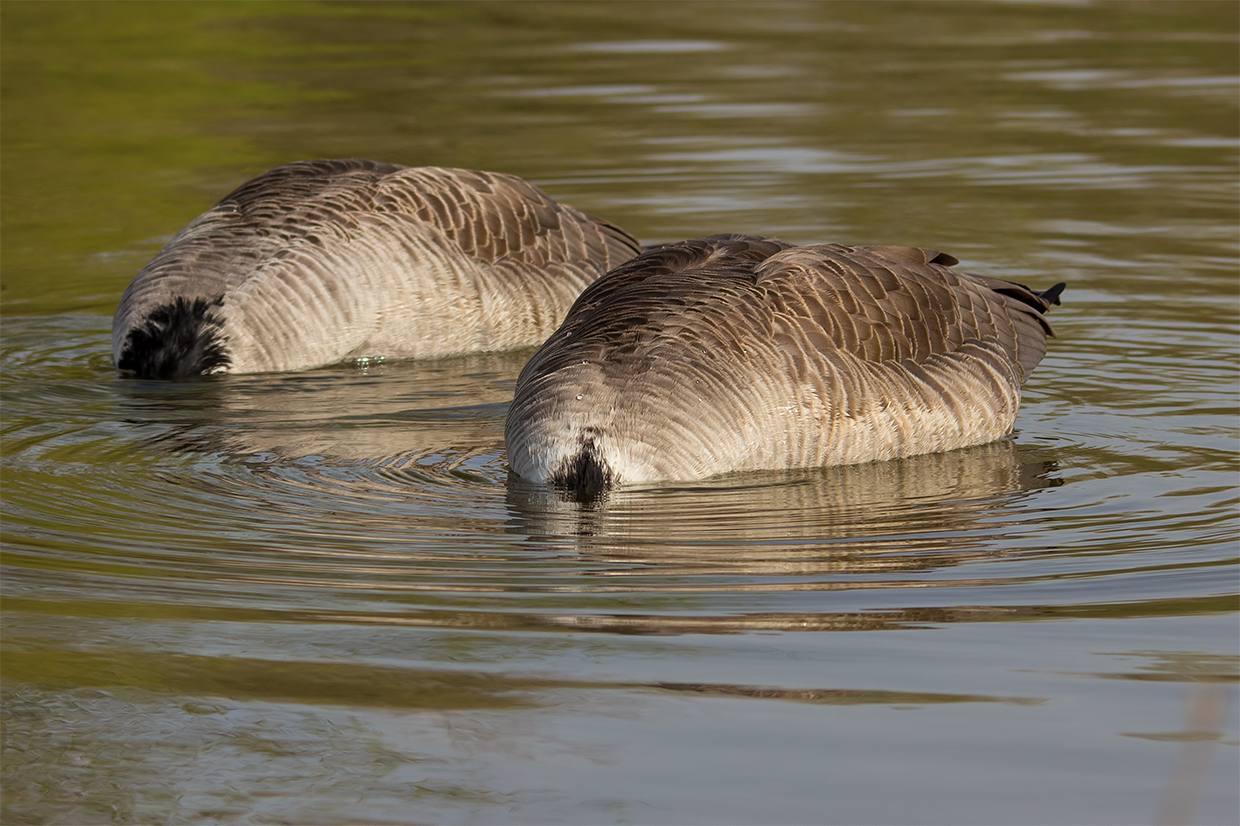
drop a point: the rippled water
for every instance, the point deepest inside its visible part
(321, 598)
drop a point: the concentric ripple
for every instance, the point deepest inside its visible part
(379, 494)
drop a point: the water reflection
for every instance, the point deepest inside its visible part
(220, 748)
(911, 514)
(383, 414)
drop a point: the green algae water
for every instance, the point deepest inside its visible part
(321, 598)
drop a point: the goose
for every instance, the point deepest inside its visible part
(315, 262)
(740, 352)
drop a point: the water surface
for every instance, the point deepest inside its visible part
(321, 598)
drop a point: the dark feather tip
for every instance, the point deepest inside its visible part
(176, 341)
(1051, 296)
(585, 475)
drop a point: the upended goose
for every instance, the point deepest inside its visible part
(737, 352)
(318, 261)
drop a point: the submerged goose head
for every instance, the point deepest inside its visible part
(318, 261)
(738, 352)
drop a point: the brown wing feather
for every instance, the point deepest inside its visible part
(374, 255)
(737, 352)
(892, 304)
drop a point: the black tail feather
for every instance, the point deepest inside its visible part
(1039, 300)
(1051, 296)
(176, 341)
(586, 474)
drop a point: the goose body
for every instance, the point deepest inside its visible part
(739, 353)
(318, 261)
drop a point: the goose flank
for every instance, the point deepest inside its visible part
(315, 262)
(737, 352)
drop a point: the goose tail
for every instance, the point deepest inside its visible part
(1051, 296)
(585, 473)
(176, 340)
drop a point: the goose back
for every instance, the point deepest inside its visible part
(317, 261)
(738, 352)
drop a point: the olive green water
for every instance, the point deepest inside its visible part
(319, 597)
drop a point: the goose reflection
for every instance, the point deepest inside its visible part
(878, 527)
(391, 482)
(904, 515)
(433, 413)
